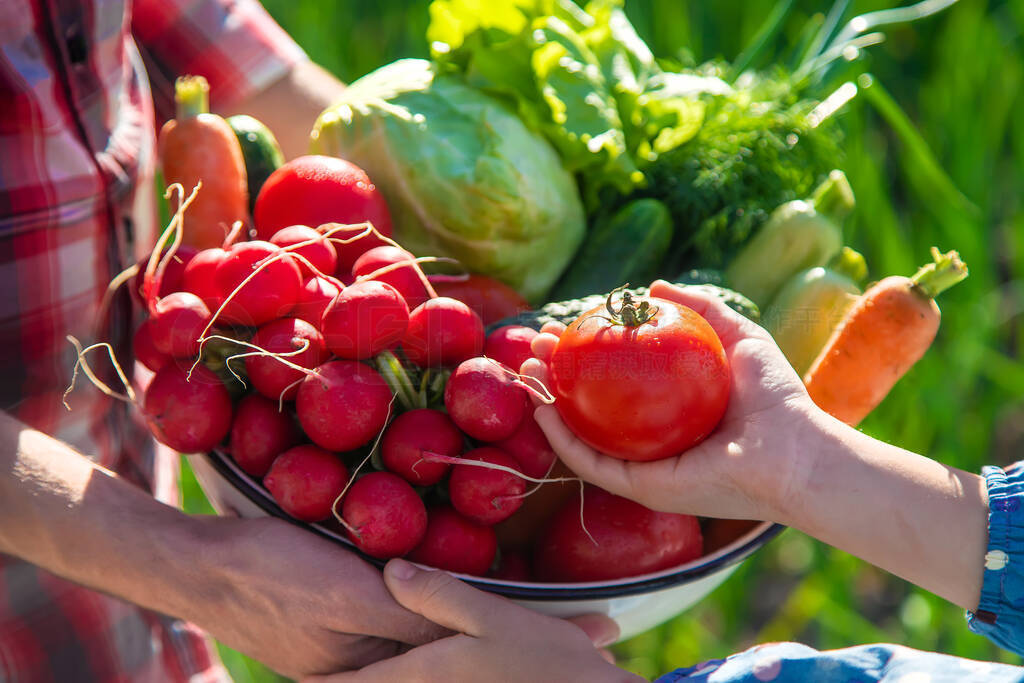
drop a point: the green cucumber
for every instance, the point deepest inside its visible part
(260, 151)
(567, 311)
(627, 247)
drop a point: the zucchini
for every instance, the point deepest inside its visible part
(627, 247)
(807, 309)
(260, 151)
(567, 311)
(797, 236)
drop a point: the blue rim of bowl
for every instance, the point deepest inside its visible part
(522, 591)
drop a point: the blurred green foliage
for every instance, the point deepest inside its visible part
(958, 77)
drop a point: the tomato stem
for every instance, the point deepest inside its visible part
(630, 313)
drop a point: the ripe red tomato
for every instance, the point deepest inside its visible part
(622, 538)
(490, 299)
(313, 190)
(645, 391)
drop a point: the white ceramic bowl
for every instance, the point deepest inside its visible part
(637, 603)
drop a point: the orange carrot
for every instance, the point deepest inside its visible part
(200, 146)
(881, 336)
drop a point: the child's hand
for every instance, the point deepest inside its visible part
(496, 639)
(749, 465)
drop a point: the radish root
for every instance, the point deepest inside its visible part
(414, 262)
(127, 397)
(258, 266)
(543, 394)
(536, 487)
(368, 229)
(437, 457)
(259, 351)
(430, 456)
(124, 276)
(158, 260)
(355, 472)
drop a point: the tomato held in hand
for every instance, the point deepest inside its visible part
(643, 382)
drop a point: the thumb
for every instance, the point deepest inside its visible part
(600, 628)
(445, 600)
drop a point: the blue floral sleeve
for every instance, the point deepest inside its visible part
(1000, 613)
(999, 617)
(796, 663)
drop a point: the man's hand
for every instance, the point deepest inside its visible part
(496, 639)
(299, 603)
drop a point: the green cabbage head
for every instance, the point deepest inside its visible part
(462, 175)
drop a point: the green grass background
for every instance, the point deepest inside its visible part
(958, 76)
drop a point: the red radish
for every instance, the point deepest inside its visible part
(270, 376)
(259, 433)
(321, 253)
(346, 405)
(305, 481)
(177, 324)
(270, 294)
(173, 277)
(313, 190)
(442, 332)
(145, 352)
(510, 344)
(483, 400)
(529, 447)
(404, 279)
(191, 415)
(512, 566)
(316, 295)
(200, 278)
(383, 515)
(490, 299)
(410, 435)
(484, 495)
(625, 539)
(364, 319)
(455, 544)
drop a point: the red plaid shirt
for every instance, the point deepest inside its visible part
(76, 207)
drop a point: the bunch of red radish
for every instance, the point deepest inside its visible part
(297, 366)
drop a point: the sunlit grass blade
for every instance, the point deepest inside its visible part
(769, 29)
(941, 188)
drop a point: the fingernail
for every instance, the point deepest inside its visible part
(608, 635)
(400, 569)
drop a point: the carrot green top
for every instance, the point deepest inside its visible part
(192, 95)
(934, 278)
